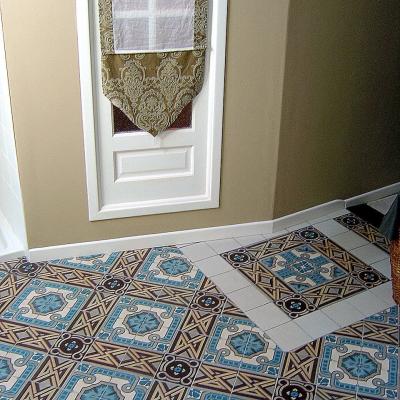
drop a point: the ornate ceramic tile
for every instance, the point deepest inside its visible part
(101, 263)
(48, 378)
(106, 354)
(29, 337)
(168, 266)
(114, 284)
(167, 390)
(254, 386)
(10, 286)
(288, 390)
(68, 276)
(89, 320)
(237, 343)
(210, 376)
(177, 369)
(359, 366)
(198, 322)
(128, 262)
(47, 304)
(301, 364)
(387, 317)
(141, 361)
(71, 346)
(7, 266)
(23, 266)
(383, 333)
(91, 382)
(208, 302)
(142, 323)
(364, 229)
(303, 270)
(17, 366)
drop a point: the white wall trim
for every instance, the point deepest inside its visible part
(373, 195)
(202, 234)
(180, 237)
(210, 197)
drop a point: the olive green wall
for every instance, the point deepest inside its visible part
(42, 58)
(341, 106)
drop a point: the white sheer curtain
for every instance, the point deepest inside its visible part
(153, 25)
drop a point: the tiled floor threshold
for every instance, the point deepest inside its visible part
(305, 313)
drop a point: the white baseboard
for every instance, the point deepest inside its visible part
(307, 215)
(180, 237)
(373, 195)
(203, 234)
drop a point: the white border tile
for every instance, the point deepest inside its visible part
(369, 254)
(268, 316)
(214, 265)
(249, 297)
(231, 281)
(198, 251)
(223, 245)
(316, 324)
(289, 336)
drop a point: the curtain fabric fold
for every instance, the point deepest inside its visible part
(153, 57)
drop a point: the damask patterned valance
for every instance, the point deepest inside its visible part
(153, 57)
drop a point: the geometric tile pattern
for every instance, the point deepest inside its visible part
(303, 270)
(358, 365)
(147, 324)
(168, 266)
(364, 229)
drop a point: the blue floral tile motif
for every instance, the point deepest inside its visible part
(353, 365)
(94, 263)
(237, 343)
(142, 323)
(17, 365)
(387, 317)
(168, 266)
(47, 304)
(89, 382)
(2, 274)
(303, 268)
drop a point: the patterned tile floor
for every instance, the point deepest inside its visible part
(148, 324)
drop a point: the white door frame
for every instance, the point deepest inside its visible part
(209, 199)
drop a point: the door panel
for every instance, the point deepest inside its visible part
(137, 173)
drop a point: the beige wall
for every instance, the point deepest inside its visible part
(341, 110)
(335, 135)
(41, 47)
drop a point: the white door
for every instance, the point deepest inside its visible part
(130, 172)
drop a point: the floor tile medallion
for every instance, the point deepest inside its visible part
(303, 271)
